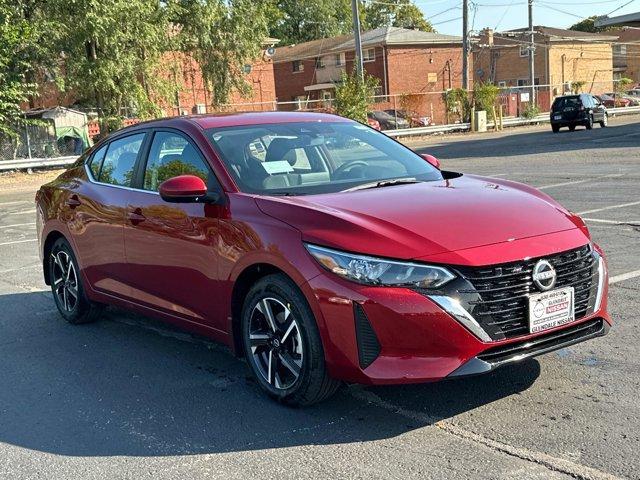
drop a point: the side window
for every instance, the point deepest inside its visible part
(171, 155)
(120, 160)
(96, 161)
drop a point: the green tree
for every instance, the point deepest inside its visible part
(396, 13)
(22, 40)
(111, 51)
(297, 21)
(588, 25)
(354, 95)
(222, 36)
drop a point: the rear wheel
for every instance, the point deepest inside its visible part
(282, 343)
(572, 128)
(605, 121)
(589, 123)
(66, 286)
(555, 128)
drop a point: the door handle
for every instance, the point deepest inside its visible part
(73, 201)
(136, 217)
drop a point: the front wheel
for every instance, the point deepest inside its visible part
(605, 121)
(589, 123)
(67, 288)
(282, 343)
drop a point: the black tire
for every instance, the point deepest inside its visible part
(605, 121)
(589, 123)
(572, 128)
(312, 384)
(78, 309)
(555, 128)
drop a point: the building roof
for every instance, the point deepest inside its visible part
(627, 34)
(630, 20)
(561, 34)
(389, 36)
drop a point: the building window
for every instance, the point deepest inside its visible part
(524, 50)
(320, 62)
(620, 50)
(369, 55)
(502, 84)
(340, 60)
(298, 66)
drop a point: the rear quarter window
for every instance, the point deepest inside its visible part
(96, 161)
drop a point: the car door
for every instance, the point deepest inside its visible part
(172, 264)
(598, 109)
(98, 212)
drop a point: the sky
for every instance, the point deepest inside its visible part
(445, 15)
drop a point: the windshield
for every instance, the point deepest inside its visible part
(314, 157)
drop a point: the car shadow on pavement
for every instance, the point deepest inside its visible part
(131, 386)
(535, 142)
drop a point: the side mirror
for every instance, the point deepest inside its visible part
(184, 189)
(431, 159)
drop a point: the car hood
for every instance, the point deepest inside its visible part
(418, 220)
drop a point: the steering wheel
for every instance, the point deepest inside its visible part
(345, 168)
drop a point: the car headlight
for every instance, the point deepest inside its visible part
(378, 271)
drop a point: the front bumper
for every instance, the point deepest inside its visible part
(378, 335)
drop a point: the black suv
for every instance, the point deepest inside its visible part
(572, 110)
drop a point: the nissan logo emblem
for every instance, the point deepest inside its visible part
(544, 275)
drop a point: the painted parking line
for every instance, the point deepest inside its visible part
(17, 202)
(576, 182)
(19, 241)
(18, 225)
(624, 276)
(612, 222)
(23, 267)
(22, 212)
(610, 207)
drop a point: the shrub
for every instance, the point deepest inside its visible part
(353, 96)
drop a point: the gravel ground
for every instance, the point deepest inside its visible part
(127, 397)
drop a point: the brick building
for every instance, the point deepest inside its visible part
(626, 54)
(413, 69)
(561, 58)
(190, 92)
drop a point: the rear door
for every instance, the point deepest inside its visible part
(98, 212)
(599, 109)
(172, 260)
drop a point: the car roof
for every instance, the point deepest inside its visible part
(237, 119)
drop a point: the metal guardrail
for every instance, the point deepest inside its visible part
(25, 163)
(507, 122)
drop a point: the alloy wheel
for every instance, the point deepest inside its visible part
(276, 343)
(65, 280)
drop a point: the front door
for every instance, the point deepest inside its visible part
(172, 264)
(97, 213)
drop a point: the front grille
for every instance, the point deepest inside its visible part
(497, 296)
(544, 343)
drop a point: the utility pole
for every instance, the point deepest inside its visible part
(465, 44)
(358, 41)
(532, 48)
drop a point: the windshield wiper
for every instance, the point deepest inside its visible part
(383, 183)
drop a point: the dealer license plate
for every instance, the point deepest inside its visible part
(551, 309)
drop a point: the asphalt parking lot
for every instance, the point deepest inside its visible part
(127, 397)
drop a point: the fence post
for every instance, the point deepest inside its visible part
(500, 114)
(472, 120)
(26, 131)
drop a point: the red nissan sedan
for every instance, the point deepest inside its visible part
(320, 250)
